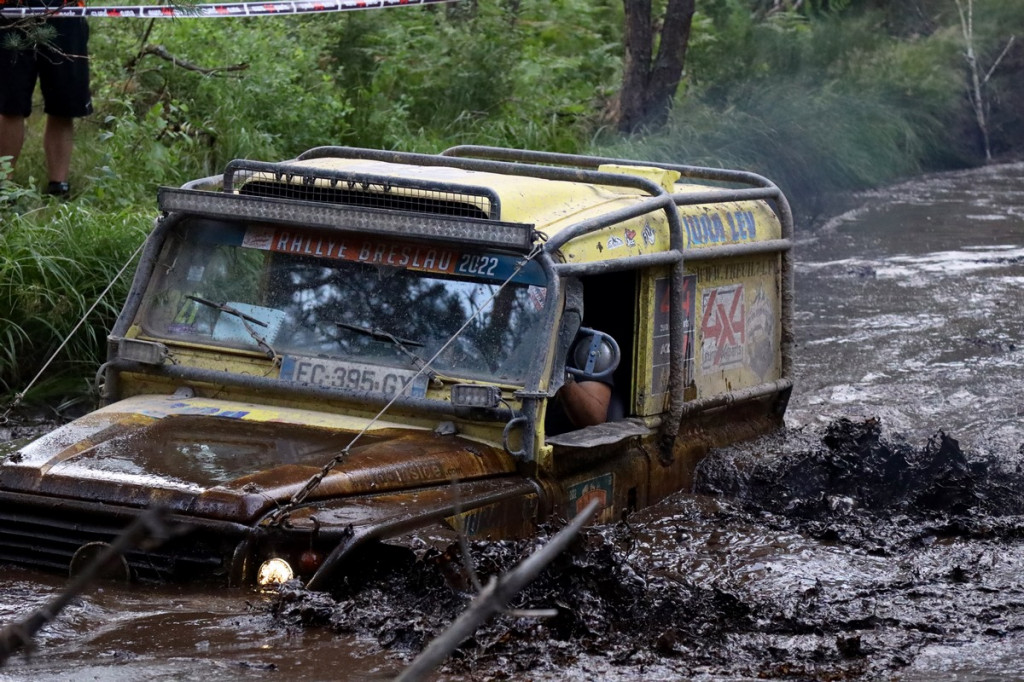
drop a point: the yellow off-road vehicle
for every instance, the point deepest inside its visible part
(358, 347)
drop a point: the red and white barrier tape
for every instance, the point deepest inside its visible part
(228, 9)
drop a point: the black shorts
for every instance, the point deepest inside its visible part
(62, 68)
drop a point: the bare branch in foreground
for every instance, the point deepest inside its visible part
(493, 598)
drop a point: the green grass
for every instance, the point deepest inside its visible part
(57, 260)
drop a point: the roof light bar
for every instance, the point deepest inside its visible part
(471, 231)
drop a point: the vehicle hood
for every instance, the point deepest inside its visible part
(234, 461)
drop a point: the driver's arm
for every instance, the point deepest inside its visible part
(585, 402)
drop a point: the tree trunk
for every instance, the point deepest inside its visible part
(649, 86)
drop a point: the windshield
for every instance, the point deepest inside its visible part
(332, 305)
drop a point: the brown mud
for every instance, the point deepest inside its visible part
(839, 556)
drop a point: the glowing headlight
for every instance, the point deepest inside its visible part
(274, 572)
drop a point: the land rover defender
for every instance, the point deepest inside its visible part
(357, 347)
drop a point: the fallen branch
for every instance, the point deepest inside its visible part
(493, 598)
(19, 634)
(161, 52)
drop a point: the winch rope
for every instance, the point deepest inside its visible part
(211, 10)
(18, 397)
(299, 497)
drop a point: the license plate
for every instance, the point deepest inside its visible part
(352, 376)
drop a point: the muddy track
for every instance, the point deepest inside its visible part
(830, 557)
(879, 537)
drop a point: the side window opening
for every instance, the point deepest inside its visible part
(609, 305)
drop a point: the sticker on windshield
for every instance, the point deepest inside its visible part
(422, 257)
(258, 321)
(537, 296)
(353, 376)
(419, 257)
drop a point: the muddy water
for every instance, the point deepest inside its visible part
(167, 633)
(860, 544)
(911, 308)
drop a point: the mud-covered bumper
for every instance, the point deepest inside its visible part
(59, 534)
(48, 533)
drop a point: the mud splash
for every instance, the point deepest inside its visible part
(845, 554)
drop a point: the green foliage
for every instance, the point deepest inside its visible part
(496, 73)
(811, 141)
(57, 259)
(10, 192)
(825, 96)
(26, 34)
(821, 103)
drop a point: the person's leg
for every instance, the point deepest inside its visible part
(58, 141)
(12, 136)
(17, 81)
(64, 81)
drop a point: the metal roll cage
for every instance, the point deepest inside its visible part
(556, 167)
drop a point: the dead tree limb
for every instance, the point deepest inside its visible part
(19, 634)
(493, 598)
(995, 64)
(976, 91)
(161, 52)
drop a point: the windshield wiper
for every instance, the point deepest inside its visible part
(247, 322)
(396, 341)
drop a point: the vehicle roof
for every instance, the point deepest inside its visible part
(553, 206)
(549, 205)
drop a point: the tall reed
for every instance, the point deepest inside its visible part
(54, 263)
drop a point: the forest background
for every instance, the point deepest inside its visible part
(822, 96)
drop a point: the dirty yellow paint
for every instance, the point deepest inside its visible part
(162, 406)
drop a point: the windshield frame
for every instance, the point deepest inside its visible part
(532, 284)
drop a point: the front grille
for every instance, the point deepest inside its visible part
(47, 537)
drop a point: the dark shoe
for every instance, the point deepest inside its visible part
(61, 190)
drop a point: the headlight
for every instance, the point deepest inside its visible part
(274, 572)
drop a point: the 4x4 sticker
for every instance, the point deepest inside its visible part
(722, 328)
